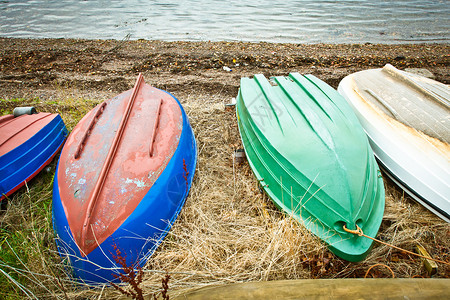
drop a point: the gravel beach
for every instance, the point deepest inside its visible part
(32, 67)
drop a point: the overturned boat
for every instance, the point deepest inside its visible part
(311, 156)
(407, 120)
(28, 143)
(122, 179)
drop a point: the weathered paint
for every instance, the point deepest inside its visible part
(407, 120)
(27, 144)
(130, 165)
(311, 156)
(126, 185)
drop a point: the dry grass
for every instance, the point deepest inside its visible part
(228, 231)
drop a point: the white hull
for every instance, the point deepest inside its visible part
(396, 109)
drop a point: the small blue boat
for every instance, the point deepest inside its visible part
(27, 144)
(122, 179)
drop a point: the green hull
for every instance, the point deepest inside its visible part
(311, 156)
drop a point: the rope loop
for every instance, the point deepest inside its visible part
(358, 230)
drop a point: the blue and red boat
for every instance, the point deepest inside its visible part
(28, 143)
(122, 179)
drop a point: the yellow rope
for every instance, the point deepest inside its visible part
(359, 232)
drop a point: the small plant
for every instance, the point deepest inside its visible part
(165, 288)
(134, 279)
(128, 276)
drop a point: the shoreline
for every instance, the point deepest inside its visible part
(108, 66)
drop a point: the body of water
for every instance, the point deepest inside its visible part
(301, 21)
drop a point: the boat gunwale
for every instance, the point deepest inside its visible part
(52, 136)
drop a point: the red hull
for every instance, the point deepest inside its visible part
(113, 157)
(16, 131)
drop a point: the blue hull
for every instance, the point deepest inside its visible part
(142, 232)
(25, 161)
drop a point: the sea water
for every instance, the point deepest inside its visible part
(296, 21)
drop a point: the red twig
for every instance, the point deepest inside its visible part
(186, 174)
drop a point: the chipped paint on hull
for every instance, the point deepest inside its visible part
(91, 216)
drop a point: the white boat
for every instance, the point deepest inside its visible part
(407, 120)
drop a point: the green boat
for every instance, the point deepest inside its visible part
(312, 157)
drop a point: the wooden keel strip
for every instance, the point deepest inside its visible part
(107, 164)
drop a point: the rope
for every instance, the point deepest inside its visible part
(368, 270)
(359, 232)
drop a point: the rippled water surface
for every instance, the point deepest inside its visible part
(300, 21)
